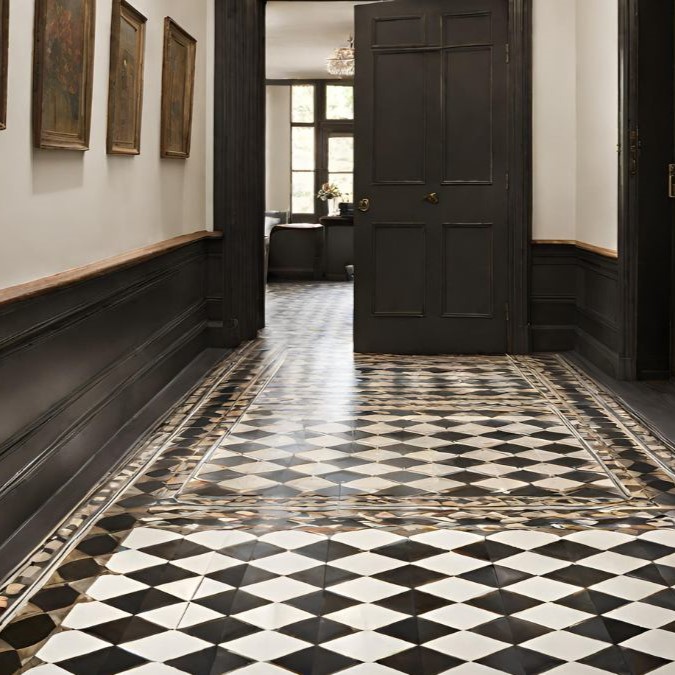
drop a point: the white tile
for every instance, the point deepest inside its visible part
(249, 482)
(279, 589)
(457, 590)
(367, 589)
(366, 617)
(435, 484)
(460, 616)
(183, 589)
(467, 646)
(601, 539)
(210, 587)
(112, 586)
(165, 646)
(655, 642)
(48, 669)
(273, 616)
(259, 669)
(217, 539)
(665, 537)
(533, 563)
(473, 669)
(579, 669)
(668, 560)
(451, 564)
(86, 614)
(447, 539)
(565, 646)
(628, 588)
(370, 484)
(132, 561)
(285, 563)
(154, 669)
(546, 590)
(167, 617)
(206, 563)
(367, 646)
(196, 614)
(144, 537)
(643, 614)
(265, 645)
(370, 669)
(367, 540)
(553, 616)
(315, 468)
(367, 563)
(68, 645)
(613, 562)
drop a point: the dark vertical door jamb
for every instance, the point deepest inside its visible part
(239, 164)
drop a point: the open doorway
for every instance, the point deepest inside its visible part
(442, 171)
(309, 145)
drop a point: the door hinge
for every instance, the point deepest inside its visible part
(635, 145)
(508, 52)
(508, 182)
(506, 312)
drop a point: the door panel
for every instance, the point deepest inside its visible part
(396, 247)
(399, 103)
(467, 128)
(469, 278)
(431, 157)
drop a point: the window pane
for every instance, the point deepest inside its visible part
(303, 192)
(339, 102)
(302, 97)
(345, 181)
(303, 148)
(341, 153)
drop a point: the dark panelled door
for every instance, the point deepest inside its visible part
(431, 177)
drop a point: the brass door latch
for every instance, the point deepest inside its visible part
(364, 205)
(432, 198)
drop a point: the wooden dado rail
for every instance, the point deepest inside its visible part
(605, 252)
(100, 268)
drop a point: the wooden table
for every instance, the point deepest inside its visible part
(338, 246)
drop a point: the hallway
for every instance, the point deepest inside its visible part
(308, 510)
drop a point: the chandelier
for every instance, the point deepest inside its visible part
(341, 63)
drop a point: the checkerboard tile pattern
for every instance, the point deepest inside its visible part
(487, 451)
(373, 601)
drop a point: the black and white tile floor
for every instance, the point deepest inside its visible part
(307, 511)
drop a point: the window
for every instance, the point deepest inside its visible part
(322, 144)
(339, 102)
(303, 150)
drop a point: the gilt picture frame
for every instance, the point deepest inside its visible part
(178, 83)
(125, 85)
(63, 71)
(4, 56)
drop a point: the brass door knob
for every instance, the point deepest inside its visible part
(364, 205)
(432, 198)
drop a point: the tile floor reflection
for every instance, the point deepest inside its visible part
(308, 510)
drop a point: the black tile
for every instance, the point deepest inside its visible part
(420, 660)
(315, 661)
(106, 661)
(26, 632)
(213, 660)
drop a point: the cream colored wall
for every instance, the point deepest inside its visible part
(554, 119)
(575, 121)
(597, 122)
(60, 210)
(278, 148)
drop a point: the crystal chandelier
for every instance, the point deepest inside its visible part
(341, 63)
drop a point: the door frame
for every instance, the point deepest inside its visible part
(635, 306)
(239, 166)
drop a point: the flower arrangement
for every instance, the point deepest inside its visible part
(328, 191)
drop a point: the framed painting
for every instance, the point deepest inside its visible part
(178, 81)
(125, 88)
(63, 69)
(4, 54)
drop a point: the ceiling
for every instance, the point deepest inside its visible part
(302, 35)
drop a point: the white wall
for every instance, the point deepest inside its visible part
(278, 149)
(597, 122)
(554, 119)
(59, 209)
(575, 121)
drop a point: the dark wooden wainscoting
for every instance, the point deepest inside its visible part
(575, 303)
(88, 361)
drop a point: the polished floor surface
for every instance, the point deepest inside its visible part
(308, 510)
